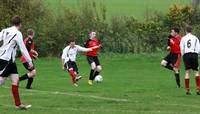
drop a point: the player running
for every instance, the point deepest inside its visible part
(28, 41)
(172, 60)
(92, 57)
(12, 38)
(190, 47)
(69, 59)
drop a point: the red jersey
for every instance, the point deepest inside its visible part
(174, 43)
(91, 43)
(29, 45)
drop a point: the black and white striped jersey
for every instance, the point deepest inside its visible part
(12, 38)
(189, 44)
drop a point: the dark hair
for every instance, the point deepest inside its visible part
(16, 20)
(189, 28)
(176, 29)
(30, 32)
(71, 40)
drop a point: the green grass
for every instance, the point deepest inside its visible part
(133, 84)
(136, 8)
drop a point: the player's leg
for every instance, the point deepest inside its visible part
(78, 77)
(92, 70)
(187, 82)
(2, 80)
(166, 62)
(197, 80)
(31, 76)
(177, 77)
(71, 72)
(98, 70)
(196, 72)
(15, 80)
(91, 78)
(176, 63)
(98, 67)
(3, 71)
(187, 64)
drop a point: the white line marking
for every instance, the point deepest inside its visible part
(77, 95)
(104, 110)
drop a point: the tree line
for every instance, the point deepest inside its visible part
(120, 34)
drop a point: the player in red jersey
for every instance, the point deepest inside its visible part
(28, 41)
(92, 57)
(172, 60)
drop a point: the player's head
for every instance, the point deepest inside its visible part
(175, 31)
(30, 33)
(16, 21)
(92, 35)
(72, 42)
(189, 29)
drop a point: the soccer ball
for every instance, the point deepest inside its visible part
(98, 78)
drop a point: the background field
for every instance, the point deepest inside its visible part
(133, 84)
(136, 8)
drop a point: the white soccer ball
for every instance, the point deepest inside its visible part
(98, 78)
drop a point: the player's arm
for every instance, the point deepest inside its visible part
(83, 49)
(182, 46)
(35, 53)
(86, 49)
(23, 49)
(1, 36)
(63, 66)
(168, 42)
(64, 55)
(197, 45)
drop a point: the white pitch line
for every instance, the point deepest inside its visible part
(77, 95)
(104, 110)
(183, 105)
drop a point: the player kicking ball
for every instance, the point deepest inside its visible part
(190, 47)
(172, 60)
(12, 38)
(28, 41)
(92, 57)
(69, 59)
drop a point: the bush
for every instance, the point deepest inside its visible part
(122, 34)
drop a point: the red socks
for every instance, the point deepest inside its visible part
(73, 75)
(15, 93)
(187, 85)
(197, 78)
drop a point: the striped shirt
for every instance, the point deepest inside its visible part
(12, 38)
(189, 44)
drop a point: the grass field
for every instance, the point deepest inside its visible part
(133, 84)
(136, 8)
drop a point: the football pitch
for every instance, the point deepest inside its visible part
(133, 84)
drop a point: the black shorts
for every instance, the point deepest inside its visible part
(92, 59)
(26, 65)
(191, 61)
(71, 64)
(7, 68)
(173, 59)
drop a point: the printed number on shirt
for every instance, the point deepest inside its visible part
(189, 43)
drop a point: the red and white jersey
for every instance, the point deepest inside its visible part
(29, 45)
(91, 43)
(174, 43)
